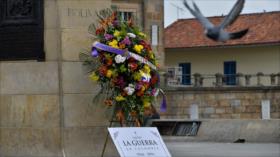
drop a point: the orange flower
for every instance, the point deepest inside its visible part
(121, 46)
(103, 70)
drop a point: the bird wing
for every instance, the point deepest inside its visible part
(233, 14)
(196, 13)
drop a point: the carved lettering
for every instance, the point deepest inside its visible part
(84, 13)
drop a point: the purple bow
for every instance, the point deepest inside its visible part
(104, 47)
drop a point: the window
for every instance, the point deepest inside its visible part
(21, 29)
(230, 72)
(186, 73)
(125, 15)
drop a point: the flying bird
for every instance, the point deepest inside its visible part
(217, 33)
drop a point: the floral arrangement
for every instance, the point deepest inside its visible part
(125, 66)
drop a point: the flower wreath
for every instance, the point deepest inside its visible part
(123, 64)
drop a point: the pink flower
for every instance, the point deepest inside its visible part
(126, 41)
(108, 36)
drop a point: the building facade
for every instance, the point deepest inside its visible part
(46, 106)
(232, 80)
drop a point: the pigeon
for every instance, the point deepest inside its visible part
(217, 33)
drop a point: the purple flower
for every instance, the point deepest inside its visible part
(108, 36)
(126, 41)
(138, 86)
(115, 23)
(119, 81)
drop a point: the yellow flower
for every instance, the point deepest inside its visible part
(94, 77)
(119, 98)
(109, 73)
(142, 34)
(151, 55)
(117, 33)
(138, 48)
(146, 104)
(146, 69)
(137, 76)
(114, 43)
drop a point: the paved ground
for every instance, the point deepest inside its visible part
(203, 149)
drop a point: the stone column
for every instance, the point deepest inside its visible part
(259, 80)
(238, 79)
(247, 79)
(219, 79)
(201, 81)
(272, 79)
(197, 77)
(278, 79)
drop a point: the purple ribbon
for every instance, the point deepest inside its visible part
(104, 47)
(163, 105)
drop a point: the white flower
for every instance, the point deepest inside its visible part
(131, 35)
(120, 59)
(130, 89)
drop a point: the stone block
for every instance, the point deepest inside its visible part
(80, 110)
(51, 14)
(246, 116)
(224, 103)
(219, 130)
(73, 42)
(213, 103)
(29, 111)
(235, 102)
(75, 79)
(77, 13)
(256, 115)
(188, 96)
(23, 142)
(239, 109)
(235, 116)
(220, 110)
(225, 116)
(29, 78)
(209, 110)
(177, 96)
(51, 43)
(209, 96)
(253, 109)
(86, 142)
(255, 101)
(214, 116)
(204, 115)
(275, 115)
(245, 102)
(226, 96)
(229, 110)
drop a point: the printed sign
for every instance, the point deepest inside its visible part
(265, 109)
(139, 142)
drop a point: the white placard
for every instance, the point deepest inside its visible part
(139, 142)
(265, 109)
(193, 112)
(154, 35)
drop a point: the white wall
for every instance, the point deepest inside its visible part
(249, 60)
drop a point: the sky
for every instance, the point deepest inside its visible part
(174, 9)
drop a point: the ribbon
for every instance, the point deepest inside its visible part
(97, 45)
(163, 105)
